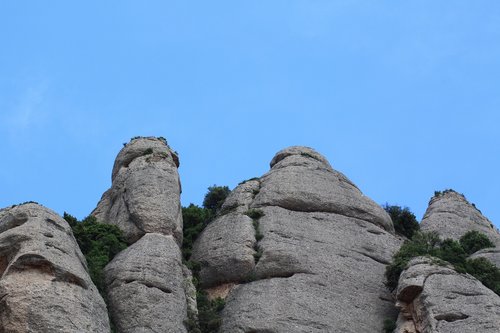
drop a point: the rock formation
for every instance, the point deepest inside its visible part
(145, 193)
(44, 284)
(300, 249)
(434, 298)
(148, 287)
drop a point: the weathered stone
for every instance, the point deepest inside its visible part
(451, 216)
(44, 284)
(147, 286)
(145, 193)
(437, 299)
(319, 252)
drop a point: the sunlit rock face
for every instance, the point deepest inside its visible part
(148, 287)
(299, 249)
(44, 284)
(145, 193)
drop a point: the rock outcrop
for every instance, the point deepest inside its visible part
(148, 287)
(44, 284)
(300, 249)
(434, 298)
(145, 193)
(451, 216)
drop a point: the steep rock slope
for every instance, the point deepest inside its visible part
(451, 216)
(145, 192)
(148, 287)
(44, 284)
(300, 249)
(437, 299)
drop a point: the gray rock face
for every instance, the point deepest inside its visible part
(145, 193)
(451, 216)
(44, 284)
(147, 285)
(437, 299)
(301, 250)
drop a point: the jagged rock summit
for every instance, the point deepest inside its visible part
(44, 284)
(299, 249)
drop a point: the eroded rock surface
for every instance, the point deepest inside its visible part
(145, 193)
(147, 286)
(44, 284)
(451, 216)
(302, 249)
(437, 299)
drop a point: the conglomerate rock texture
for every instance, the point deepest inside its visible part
(300, 249)
(44, 284)
(148, 287)
(437, 299)
(145, 193)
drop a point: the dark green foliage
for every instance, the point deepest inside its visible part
(98, 242)
(486, 272)
(474, 241)
(195, 219)
(247, 180)
(445, 251)
(389, 326)
(215, 197)
(422, 244)
(403, 219)
(254, 214)
(148, 151)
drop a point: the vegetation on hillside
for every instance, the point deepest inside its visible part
(449, 250)
(98, 242)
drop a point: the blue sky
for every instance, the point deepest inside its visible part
(403, 97)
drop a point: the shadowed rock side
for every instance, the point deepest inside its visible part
(145, 192)
(147, 286)
(437, 299)
(44, 284)
(300, 250)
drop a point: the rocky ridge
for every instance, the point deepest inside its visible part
(299, 249)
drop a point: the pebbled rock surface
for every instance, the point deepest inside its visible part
(302, 249)
(437, 299)
(147, 286)
(44, 284)
(145, 193)
(451, 216)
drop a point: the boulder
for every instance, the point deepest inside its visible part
(44, 283)
(145, 193)
(149, 289)
(301, 249)
(434, 298)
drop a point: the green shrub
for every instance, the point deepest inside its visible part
(194, 219)
(148, 151)
(98, 242)
(474, 241)
(448, 250)
(389, 326)
(254, 214)
(215, 197)
(403, 219)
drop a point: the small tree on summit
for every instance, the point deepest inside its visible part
(403, 219)
(215, 197)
